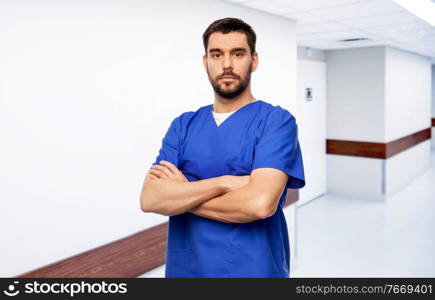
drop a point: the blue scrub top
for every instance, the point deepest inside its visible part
(257, 135)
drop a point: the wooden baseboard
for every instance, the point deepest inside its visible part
(129, 257)
(377, 150)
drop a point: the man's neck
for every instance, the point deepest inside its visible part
(223, 105)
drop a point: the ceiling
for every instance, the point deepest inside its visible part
(320, 24)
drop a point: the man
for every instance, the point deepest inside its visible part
(223, 171)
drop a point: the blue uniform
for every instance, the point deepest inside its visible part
(257, 135)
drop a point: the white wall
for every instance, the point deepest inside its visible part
(356, 176)
(306, 53)
(355, 92)
(407, 93)
(312, 127)
(87, 91)
(407, 110)
(355, 112)
(403, 167)
(433, 91)
(433, 106)
(376, 94)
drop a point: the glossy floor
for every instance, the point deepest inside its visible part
(355, 237)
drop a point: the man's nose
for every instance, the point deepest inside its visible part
(228, 63)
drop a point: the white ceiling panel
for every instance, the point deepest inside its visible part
(304, 5)
(237, 1)
(367, 43)
(323, 45)
(416, 39)
(311, 43)
(358, 10)
(304, 18)
(402, 32)
(337, 35)
(374, 36)
(305, 38)
(320, 27)
(382, 20)
(270, 6)
(428, 46)
(405, 28)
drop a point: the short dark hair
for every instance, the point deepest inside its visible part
(227, 25)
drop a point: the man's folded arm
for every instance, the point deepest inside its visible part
(170, 197)
(256, 200)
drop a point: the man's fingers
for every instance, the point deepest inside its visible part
(153, 176)
(158, 173)
(169, 170)
(164, 170)
(170, 166)
(149, 175)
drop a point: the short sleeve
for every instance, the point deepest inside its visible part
(278, 147)
(169, 150)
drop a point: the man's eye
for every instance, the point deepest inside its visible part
(215, 55)
(239, 54)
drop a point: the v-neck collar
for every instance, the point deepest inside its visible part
(211, 117)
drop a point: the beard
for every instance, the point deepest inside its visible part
(240, 84)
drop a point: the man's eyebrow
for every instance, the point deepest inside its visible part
(232, 50)
(239, 49)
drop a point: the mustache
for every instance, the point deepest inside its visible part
(228, 74)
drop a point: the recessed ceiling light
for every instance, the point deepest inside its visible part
(354, 40)
(424, 9)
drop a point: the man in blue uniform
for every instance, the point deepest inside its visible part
(223, 171)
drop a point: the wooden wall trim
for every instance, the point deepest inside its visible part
(433, 122)
(128, 257)
(352, 148)
(407, 142)
(377, 150)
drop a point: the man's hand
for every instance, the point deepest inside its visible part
(169, 170)
(166, 170)
(168, 192)
(235, 182)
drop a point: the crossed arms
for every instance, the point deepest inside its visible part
(229, 199)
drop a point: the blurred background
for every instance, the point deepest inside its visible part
(89, 88)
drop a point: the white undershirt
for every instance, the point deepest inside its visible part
(220, 117)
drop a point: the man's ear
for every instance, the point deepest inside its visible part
(254, 61)
(204, 62)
